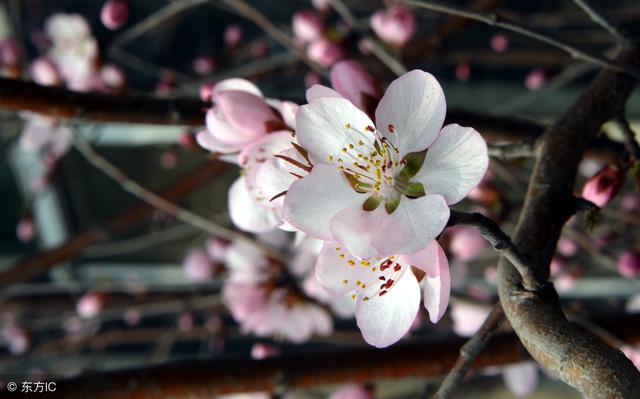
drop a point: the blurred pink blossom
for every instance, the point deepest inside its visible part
(261, 351)
(233, 36)
(467, 243)
(9, 52)
(521, 378)
(45, 72)
(567, 247)
(352, 391)
(307, 26)
(205, 65)
(354, 83)
(259, 48)
(197, 266)
(90, 304)
(468, 317)
(324, 52)
(25, 230)
(631, 203)
(132, 317)
(311, 78)
(395, 25)
(115, 13)
(499, 43)
(206, 91)
(321, 5)
(629, 264)
(463, 71)
(113, 77)
(535, 79)
(185, 322)
(16, 339)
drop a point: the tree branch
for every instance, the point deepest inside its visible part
(494, 19)
(601, 20)
(469, 352)
(576, 356)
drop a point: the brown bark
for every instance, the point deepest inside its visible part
(577, 357)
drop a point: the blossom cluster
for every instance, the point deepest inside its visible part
(375, 194)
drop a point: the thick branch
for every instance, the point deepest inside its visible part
(469, 352)
(494, 19)
(223, 375)
(576, 356)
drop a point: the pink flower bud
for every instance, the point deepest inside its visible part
(535, 79)
(261, 351)
(25, 230)
(321, 5)
(187, 140)
(631, 203)
(604, 185)
(396, 25)
(233, 36)
(90, 304)
(355, 84)
(365, 47)
(197, 267)
(217, 249)
(115, 13)
(567, 247)
(307, 26)
(113, 77)
(324, 52)
(499, 43)
(629, 264)
(185, 322)
(353, 391)
(132, 317)
(9, 52)
(206, 91)
(45, 72)
(463, 71)
(204, 65)
(169, 160)
(558, 266)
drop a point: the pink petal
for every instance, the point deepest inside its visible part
(319, 91)
(354, 83)
(236, 84)
(246, 112)
(383, 320)
(337, 270)
(414, 105)
(357, 228)
(521, 379)
(312, 202)
(437, 284)
(455, 163)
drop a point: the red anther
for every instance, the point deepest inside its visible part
(381, 293)
(370, 129)
(397, 267)
(391, 128)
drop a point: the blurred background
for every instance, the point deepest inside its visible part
(124, 293)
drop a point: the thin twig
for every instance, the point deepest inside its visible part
(168, 207)
(512, 151)
(630, 140)
(601, 20)
(469, 352)
(500, 241)
(496, 20)
(252, 14)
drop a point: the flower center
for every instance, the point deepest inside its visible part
(374, 165)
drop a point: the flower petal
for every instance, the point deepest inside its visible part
(246, 112)
(311, 202)
(411, 226)
(261, 150)
(236, 84)
(247, 213)
(356, 229)
(383, 320)
(437, 285)
(337, 270)
(455, 163)
(319, 91)
(274, 176)
(521, 378)
(328, 125)
(414, 104)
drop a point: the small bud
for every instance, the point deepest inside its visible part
(90, 305)
(205, 65)
(261, 351)
(115, 13)
(629, 264)
(307, 26)
(535, 79)
(206, 91)
(499, 43)
(25, 230)
(396, 25)
(604, 185)
(324, 52)
(355, 84)
(463, 71)
(233, 36)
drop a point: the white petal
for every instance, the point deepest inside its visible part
(274, 176)
(337, 270)
(437, 284)
(455, 163)
(411, 226)
(521, 379)
(312, 202)
(261, 150)
(357, 228)
(247, 213)
(328, 125)
(319, 91)
(236, 84)
(414, 104)
(383, 320)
